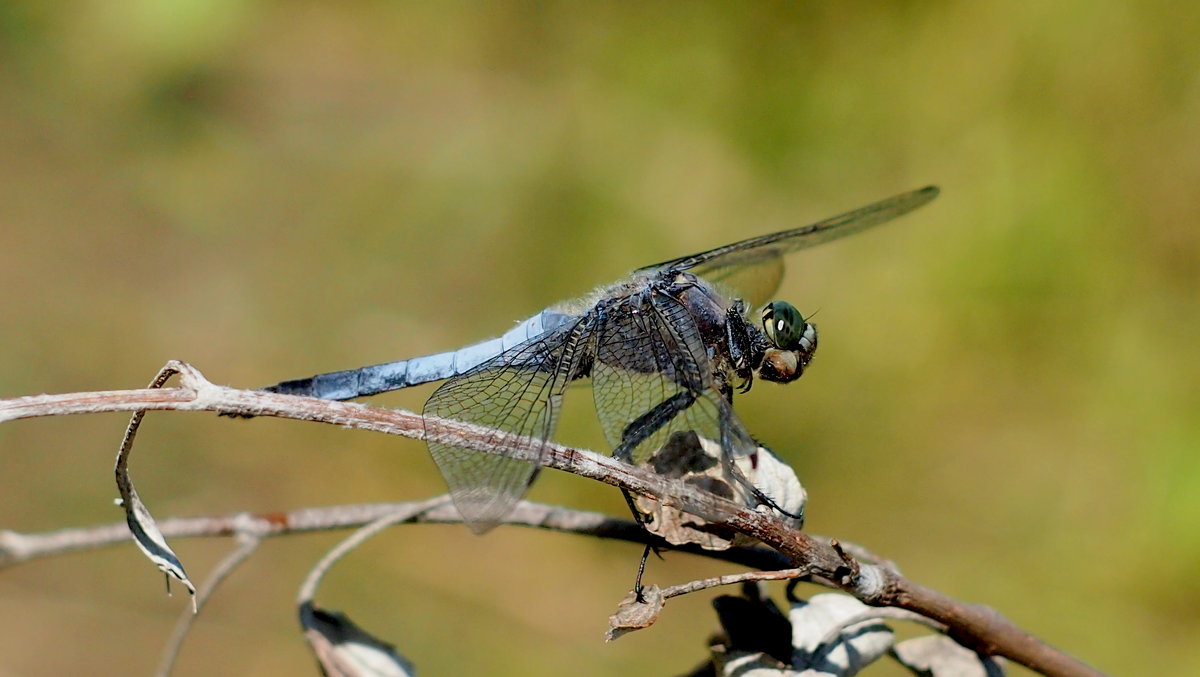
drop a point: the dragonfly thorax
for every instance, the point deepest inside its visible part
(793, 340)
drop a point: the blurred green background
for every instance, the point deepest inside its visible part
(1005, 401)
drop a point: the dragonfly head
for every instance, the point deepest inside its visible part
(792, 339)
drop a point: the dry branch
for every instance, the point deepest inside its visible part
(975, 626)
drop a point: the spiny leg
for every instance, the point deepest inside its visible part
(635, 433)
(758, 494)
(745, 353)
(641, 522)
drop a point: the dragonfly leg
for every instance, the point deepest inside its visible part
(637, 584)
(635, 433)
(770, 503)
(641, 521)
(637, 514)
(651, 422)
(745, 352)
(758, 494)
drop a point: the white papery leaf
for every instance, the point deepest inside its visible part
(345, 650)
(940, 656)
(745, 664)
(777, 480)
(152, 543)
(826, 646)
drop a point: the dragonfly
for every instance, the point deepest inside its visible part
(665, 350)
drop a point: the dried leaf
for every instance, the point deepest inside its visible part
(826, 646)
(748, 664)
(696, 461)
(940, 656)
(345, 650)
(152, 543)
(777, 480)
(634, 614)
(754, 624)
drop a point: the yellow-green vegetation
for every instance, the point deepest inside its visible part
(1005, 400)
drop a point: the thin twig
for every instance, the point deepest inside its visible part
(309, 588)
(17, 547)
(249, 543)
(730, 579)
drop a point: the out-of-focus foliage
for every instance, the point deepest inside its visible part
(1005, 400)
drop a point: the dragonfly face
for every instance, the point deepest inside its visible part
(793, 342)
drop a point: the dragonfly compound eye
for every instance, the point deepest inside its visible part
(785, 327)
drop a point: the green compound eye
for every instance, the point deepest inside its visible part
(784, 326)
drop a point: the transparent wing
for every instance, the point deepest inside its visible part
(754, 283)
(652, 378)
(518, 392)
(753, 268)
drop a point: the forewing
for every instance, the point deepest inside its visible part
(753, 268)
(518, 392)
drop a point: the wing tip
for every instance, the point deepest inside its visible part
(914, 199)
(928, 192)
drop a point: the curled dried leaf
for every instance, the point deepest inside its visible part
(635, 613)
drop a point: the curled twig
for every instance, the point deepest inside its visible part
(309, 588)
(249, 543)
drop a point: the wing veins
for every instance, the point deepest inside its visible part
(744, 267)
